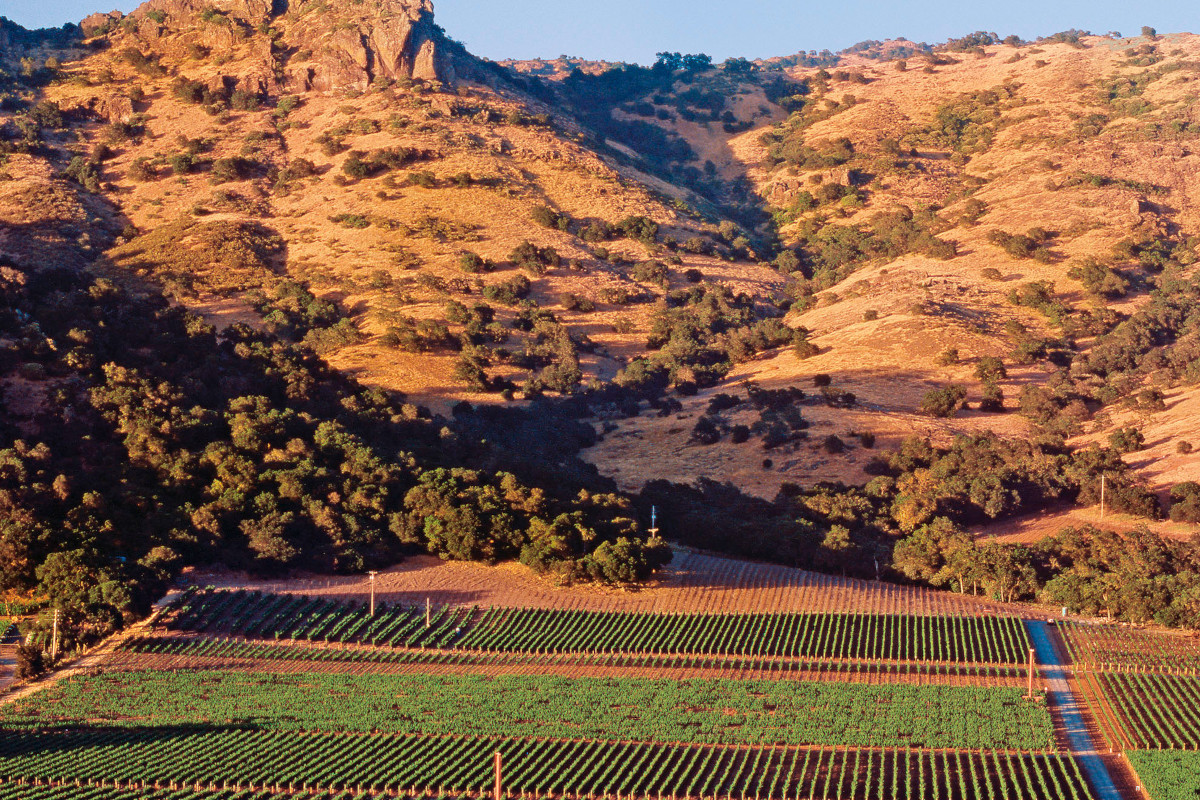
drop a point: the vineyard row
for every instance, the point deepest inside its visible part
(972, 640)
(385, 764)
(1145, 711)
(741, 666)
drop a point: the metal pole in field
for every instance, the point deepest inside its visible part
(54, 637)
(371, 575)
(496, 790)
(1103, 481)
(1029, 696)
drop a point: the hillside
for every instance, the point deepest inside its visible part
(1084, 143)
(331, 291)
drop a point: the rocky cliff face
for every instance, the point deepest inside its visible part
(388, 40)
(316, 45)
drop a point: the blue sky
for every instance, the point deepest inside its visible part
(634, 30)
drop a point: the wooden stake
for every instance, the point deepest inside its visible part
(1029, 696)
(496, 791)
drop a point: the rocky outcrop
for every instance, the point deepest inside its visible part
(345, 45)
(95, 24)
(391, 39)
(115, 108)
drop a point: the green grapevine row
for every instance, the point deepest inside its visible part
(1117, 647)
(1154, 711)
(703, 711)
(1167, 774)
(268, 651)
(72, 790)
(976, 640)
(380, 763)
(285, 616)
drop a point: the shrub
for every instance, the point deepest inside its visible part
(739, 434)
(30, 661)
(141, 170)
(351, 220)
(509, 292)
(948, 357)
(1183, 447)
(181, 163)
(993, 398)
(596, 231)
(423, 178)
(573, 302)
(805, 349)
(943, 402)
(641, 228)
(651, 272)
(83, 172)
(1099, 279)
(990, 369)
(867, 439)
(833, 444)
(1185, 502)
(821, 379)
(230, 169)
(243, 100)
(1126, 440)
(1020, 245)
(354, 166)
(549, 218)
(534, 259)
(706, 431)
(474, 263)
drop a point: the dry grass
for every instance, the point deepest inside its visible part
(888, 362)
(693, 582)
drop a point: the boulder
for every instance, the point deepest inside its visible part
(94, 23)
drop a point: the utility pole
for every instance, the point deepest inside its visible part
(54, 637)
(654, 521)
(496, 789)
(371, 576)
(1029, 694)
(1103, 481)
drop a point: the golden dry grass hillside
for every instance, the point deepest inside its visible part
(1085, 146)
(864, 232)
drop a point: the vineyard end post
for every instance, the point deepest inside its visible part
(496, 791)
(1029, 695)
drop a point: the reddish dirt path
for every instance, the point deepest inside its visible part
(692, 582)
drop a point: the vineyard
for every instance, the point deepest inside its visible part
(1145, 711)
(541, 767)
(709, 712)
(73, 790)
(246, 695)
(1168, 774)
(172, 653)
(1115, 647)
(974, 640)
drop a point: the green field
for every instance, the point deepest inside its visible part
(1168, 774)
(699, 711)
